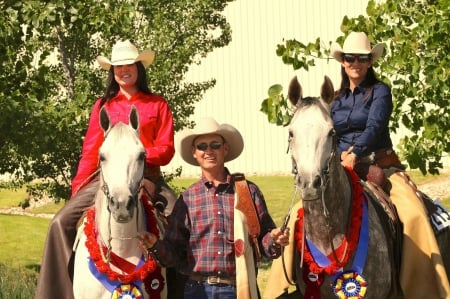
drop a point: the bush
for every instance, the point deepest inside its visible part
(17, 283)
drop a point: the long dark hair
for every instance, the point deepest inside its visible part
(112, 87)
(370, 80)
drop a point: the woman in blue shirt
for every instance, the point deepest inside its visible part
(361, 112)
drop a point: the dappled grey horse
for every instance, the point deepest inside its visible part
(342, 248)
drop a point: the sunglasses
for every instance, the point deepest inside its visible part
(214, 145)
(352, 58)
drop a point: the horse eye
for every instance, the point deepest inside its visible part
(332, 133)
(141, 156)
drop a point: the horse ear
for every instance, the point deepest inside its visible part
(134, 118)
(105, 123)
(295, 91)
(327, 90)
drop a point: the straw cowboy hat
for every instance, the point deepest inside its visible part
(124, 52)
(356, 43)
(210, 126)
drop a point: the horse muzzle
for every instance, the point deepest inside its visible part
(122, 211)
(310, 193)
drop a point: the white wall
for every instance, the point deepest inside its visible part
(248, 66)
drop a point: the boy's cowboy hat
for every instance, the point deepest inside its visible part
(356, 43)
(124, 52)
(208, 126)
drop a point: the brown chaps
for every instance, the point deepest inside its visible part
(55, 277)
(422, 274)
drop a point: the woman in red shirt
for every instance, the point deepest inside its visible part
(126, 87)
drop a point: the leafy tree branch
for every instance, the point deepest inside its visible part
(415, 64)
(49, 78)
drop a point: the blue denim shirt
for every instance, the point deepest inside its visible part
(361, 118)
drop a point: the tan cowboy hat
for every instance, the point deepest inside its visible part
(207, 126)
(124, 52)
(356, 43)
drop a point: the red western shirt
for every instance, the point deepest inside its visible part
(156, 132)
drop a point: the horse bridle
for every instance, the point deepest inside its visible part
(324, 176)
(109, 198)
(325, 172)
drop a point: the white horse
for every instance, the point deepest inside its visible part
(108, 260)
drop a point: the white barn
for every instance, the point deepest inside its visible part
(248, 66)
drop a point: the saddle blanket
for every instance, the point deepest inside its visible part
(441, 217)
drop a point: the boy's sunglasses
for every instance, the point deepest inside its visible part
(352, 58)
(214, 145)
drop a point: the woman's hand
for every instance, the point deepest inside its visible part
(348, 158)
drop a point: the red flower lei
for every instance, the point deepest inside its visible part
(347, 248)
(94, 248)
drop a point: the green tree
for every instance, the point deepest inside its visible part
(48, 79)
(416, 65)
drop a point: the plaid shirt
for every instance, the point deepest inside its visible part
(199, 237)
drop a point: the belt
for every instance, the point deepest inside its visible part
(383, 158)
(212, 279)
(378, 155)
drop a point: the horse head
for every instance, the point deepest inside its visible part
(311, 138)
(122, 159)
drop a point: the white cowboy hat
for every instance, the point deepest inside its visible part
(356, 43)
(124, 52)
(207, 126)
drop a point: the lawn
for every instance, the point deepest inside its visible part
(23, 237)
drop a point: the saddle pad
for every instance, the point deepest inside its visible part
(441, 217)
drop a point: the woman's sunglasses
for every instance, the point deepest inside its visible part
(214, 145)
(352, 58)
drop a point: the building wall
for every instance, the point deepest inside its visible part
(248, 66)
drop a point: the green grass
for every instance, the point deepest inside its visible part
(50, 208)
(22, 240)
(12, 198)
(17, 283)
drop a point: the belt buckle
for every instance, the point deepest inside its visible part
(212, 280)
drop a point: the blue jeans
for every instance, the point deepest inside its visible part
(202, 290)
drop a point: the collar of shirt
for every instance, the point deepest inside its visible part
(360, 88)
(226, 187)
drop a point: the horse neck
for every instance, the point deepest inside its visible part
(120, 237)
(323, 224)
